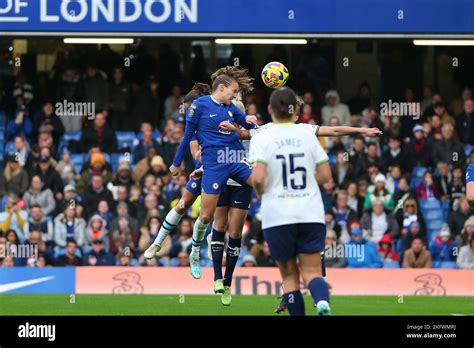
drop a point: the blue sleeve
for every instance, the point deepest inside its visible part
(12, 128)
(27, 126)
(192, 120)
(239, 117)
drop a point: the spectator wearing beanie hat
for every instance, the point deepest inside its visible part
(443, 248)
(467, 233)
(124, 174)
(378, 191)
(419, 149)
(97, 167)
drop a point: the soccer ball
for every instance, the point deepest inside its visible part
(275, 75)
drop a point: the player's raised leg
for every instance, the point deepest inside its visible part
(170, 222)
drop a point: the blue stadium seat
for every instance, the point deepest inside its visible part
(430, 204)
(125, 139)
(445, 264)
(391, 264)
(72, 136)
(2, 137)
(414, 182)
(418, 172)
(9, 147)
(431, 214)
(468, 149)
(435, 224)
(78, 160)
(156, 135)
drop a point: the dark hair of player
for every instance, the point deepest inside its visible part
(283, 103)
(198, 90)
(235, 74)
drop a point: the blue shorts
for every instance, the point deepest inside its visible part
(470, 173)
(215, 177)
(238, 197)
(194, 186)
(287, 241)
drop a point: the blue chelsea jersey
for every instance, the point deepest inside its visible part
(470, 173)
(202, 121)
(206, 114)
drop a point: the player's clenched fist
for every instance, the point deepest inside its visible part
(174, 170)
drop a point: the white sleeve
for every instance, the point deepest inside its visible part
(321, 155)
(310, 127)
(257, 151)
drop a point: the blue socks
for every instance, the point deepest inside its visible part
(294, 302)
(217, 248)
(319, 289)
(232, 255)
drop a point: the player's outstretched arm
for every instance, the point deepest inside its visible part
(339, 131)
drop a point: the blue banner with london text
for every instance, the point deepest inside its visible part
(238, 16)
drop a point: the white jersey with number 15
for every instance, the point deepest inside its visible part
(291, 193)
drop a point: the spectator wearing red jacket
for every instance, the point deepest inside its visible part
(385, 250)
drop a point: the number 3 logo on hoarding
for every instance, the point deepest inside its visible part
(431, 284)
(130, 283)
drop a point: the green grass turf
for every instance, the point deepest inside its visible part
(13, 304)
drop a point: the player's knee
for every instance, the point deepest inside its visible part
(219, 226)
(234, 233)
(205, 218)
(181, 207)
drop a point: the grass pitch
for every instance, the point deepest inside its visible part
(13, 304)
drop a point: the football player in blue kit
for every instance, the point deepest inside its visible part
(221, 149)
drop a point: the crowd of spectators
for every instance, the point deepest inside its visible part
(401, 197)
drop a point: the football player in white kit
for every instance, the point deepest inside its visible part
(288, 162)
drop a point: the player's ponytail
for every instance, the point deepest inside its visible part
(283, 103)
(198, 90)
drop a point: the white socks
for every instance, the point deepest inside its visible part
(172, 220)
(198, 235)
